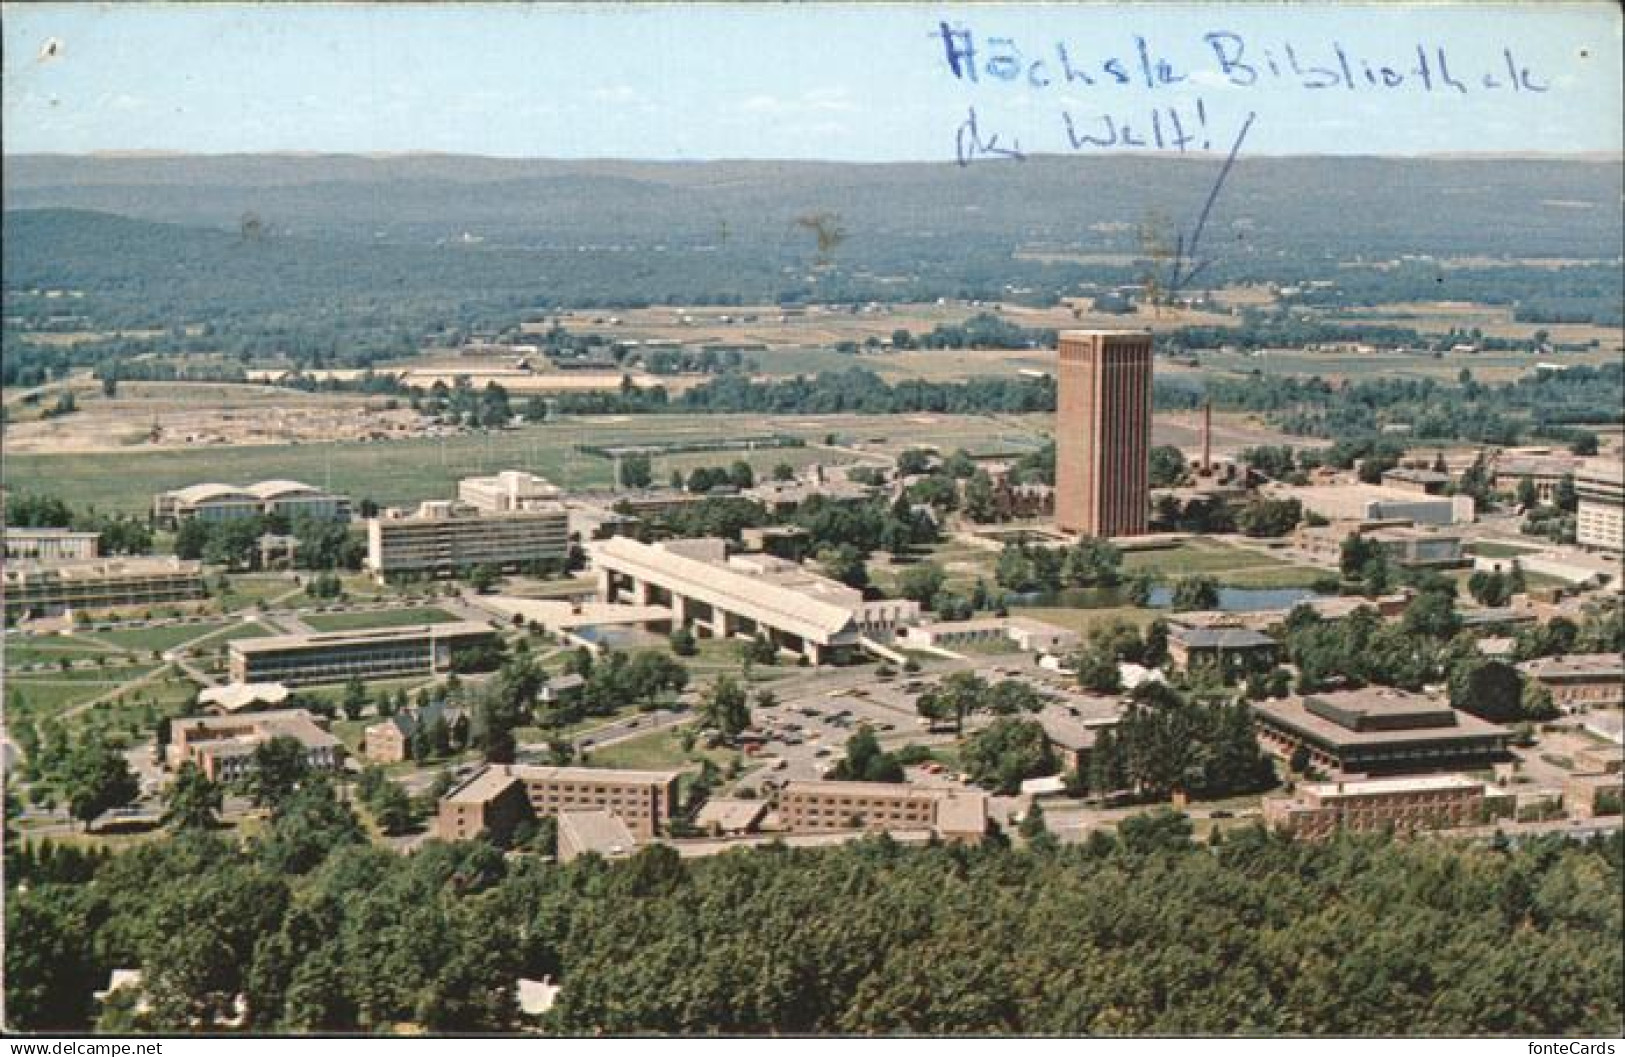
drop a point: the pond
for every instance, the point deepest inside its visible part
(1231, 599)
(614, 637)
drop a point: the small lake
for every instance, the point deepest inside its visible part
(1231, 599)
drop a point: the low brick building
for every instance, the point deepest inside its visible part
(499, 797)
(1402, 804)
(1580, 681)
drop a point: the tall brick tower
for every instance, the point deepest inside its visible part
(1103, 432)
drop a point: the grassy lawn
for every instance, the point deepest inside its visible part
(389, 618)
(247, 590)
(48, 649)
(149, 640)
(35, 697)
(1232, 566)
(962, 565)
(660, 750)
(1491, 549)
(1084, 621)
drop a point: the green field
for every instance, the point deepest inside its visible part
(32, 697)
(21, 650)
(407, 471)
(388, 618)
(148, 640)
(1084, 621)
(660, 750)
(1232, 566)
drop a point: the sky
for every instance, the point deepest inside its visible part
(837, 82)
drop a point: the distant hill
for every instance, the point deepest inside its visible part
(1271, 209)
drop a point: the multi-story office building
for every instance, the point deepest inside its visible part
(1404, 805)
(746, 595)
(223, 746)
(371, 653)
(224, 502)
(1378, 731)
(38, 589)
(50, 544)
(1600, 518)
(953, 814)
(1580, 681)
(508, 490)
(444, 537)
(1103, 433)
(500, 796)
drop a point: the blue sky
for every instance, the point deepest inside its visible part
(844, 82)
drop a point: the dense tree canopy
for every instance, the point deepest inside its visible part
(1147, 933)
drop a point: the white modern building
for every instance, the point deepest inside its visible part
(508, 490)
(1600, 518)
(50, 544)
(746, 595)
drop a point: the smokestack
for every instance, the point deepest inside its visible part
(1207, 437)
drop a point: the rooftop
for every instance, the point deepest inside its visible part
(868, 789)
(796, 599)
(269, 643)
(281, 488)
(1219, 638)
(1292, 713)
(596, 831)
(1575, 665)
(210, 492)
(234, 697)
(1380, 786)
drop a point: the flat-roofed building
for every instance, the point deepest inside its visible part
(954, 814)
(593, 832)
(223, 746)
(491, 802)
(1599, 519)
(1404, 545)
(1103, 432)
(1580, 681)
(746, 595)
(1231, 651)
(225, 502)
(47, 589)
(1371, 502)
(1320, 809)
(1025, 634)
(1590, 795)
(1411, 479)
(642, 800)
(730, 816)
(50, 544)
(364, 653)
(445, 537)
(1379, 731)
(1542, 470)
(508, 490)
